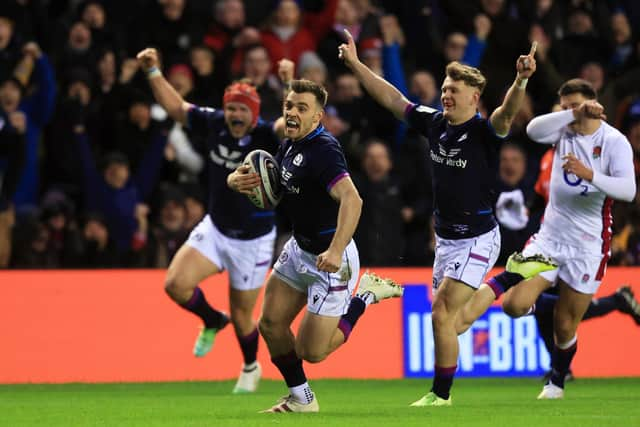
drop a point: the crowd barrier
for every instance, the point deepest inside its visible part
(119, 326)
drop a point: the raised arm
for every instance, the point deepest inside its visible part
(503, 116)
(163, 92)
(381, 90)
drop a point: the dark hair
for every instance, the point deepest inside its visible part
(307, 86)
(580, 86)
(471, 76)
(114, 157)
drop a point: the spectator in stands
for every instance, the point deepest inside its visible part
(12, 151)
(172, 26)
(62, 158)
(30, 244)
(57, 215)
(170, 231)
(513, 191)
(228, 36)
(208, 80)
(380, 232)
(78, 50)
(98, 248)
(257, 68)
(103, 35)
(37, 106)
(423, 90)
(137, 130)
(312, 67)
(9, 41)
(622, 41)
(117, 195)
(195, 203)
(292, 31)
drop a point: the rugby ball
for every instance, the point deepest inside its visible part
(269, 193)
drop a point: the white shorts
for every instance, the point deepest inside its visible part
(466, 260)
(246, 260)
(328, 294)
(579, 268)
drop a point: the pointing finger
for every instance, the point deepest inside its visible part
(534, 46)
(349, 36)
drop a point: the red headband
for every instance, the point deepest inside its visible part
(244, 94)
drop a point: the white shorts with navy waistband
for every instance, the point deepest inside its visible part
(247, 261)
(582, 268)
(328, 294)
(466, 260)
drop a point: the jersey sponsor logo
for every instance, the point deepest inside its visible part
(316, 298)
(585, 278)
(227, 158)
(448, 161)
(285, 176)
(597, 152)
(198, 237)
(463, 137)
(284, 256)
(297, 160)
(448, 153)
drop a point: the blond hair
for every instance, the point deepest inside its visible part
(471, 76)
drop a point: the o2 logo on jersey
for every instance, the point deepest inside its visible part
(574, 181)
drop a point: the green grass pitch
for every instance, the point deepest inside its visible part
(343, 403)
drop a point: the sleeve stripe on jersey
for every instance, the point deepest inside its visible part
(335, 180)
(408, 108)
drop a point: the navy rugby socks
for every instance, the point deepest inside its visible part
(249, 346)
(199, 306)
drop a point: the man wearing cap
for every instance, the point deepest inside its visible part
(234, 235)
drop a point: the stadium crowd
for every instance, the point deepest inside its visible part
(81, 139)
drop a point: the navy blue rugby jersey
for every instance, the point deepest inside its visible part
(232, 212)
(464, 163)
(309, 168)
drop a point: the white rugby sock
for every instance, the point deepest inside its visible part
(302, 393)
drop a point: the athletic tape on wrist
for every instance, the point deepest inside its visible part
(153, 72)
(522, 84)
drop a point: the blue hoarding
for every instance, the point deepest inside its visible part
(496, 345)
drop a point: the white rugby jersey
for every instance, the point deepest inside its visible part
(579, 212)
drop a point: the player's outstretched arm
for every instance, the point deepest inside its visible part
(381, 90)
(503, 116)
(163, 92)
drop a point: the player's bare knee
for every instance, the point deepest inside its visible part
(311, 355)
(564, 329)
(512, 308)
(440, 315)
(267, 327)
(462, 325)
(177, 288)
